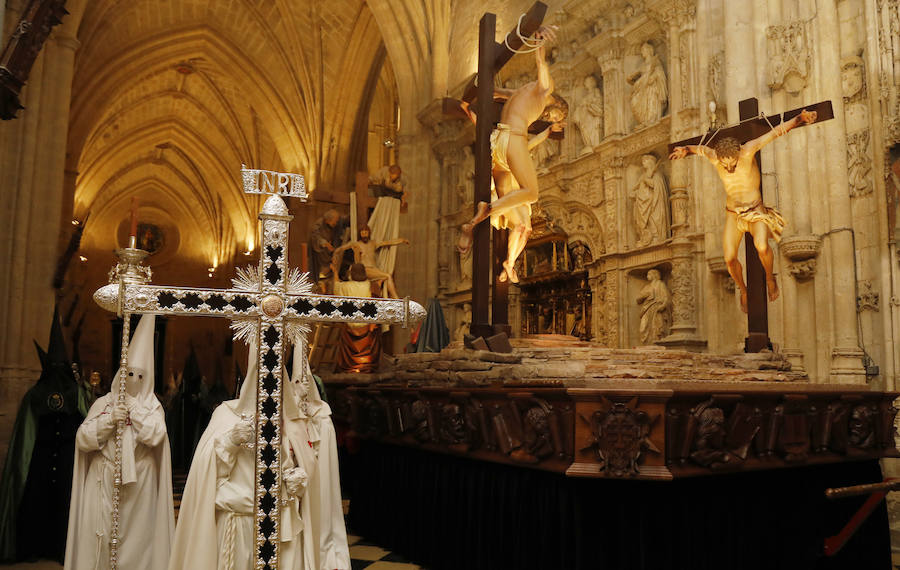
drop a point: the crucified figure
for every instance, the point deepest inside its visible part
(364, 253)
(744, 209)
(511, 161)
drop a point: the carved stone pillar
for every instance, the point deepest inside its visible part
(683, 285)
(613, 180)
(679, 197)
(609, 311)
(614, 100)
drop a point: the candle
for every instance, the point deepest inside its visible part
(133, 217)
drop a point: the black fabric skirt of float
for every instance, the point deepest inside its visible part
(453, 513)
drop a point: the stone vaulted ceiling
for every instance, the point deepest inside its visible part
(170, 97)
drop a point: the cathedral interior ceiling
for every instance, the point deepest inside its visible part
(170, 98)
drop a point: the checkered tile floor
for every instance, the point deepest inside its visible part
(364, 554)
(368, 555)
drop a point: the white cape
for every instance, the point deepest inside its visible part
(146, 516)
(216, 527)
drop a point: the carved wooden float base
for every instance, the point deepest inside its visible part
(589, 422)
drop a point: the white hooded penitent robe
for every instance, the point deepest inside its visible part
(216, 523)
(146, 516)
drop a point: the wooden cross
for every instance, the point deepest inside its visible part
(492, 56)
(753, 125)
(270, 302)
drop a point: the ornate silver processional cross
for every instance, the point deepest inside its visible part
(271, 301)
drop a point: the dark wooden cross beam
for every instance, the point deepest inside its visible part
(492, 56)
(751, 127)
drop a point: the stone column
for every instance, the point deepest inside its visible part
(32, 159)
(846, 355)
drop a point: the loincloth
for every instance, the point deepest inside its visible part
(517, 217)
(759, 212)
(500, 145)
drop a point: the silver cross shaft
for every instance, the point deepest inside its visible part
(267, 301)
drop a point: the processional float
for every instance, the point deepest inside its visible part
(271, 302)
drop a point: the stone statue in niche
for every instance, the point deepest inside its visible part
(588, 114)
(465, 321)
(465, 270)
(649, 206)
(580, 255)
(650, 93)
(466, 184)
(656, 308)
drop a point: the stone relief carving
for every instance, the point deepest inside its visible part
(859, 163)
(803, 270)
(588, 114)
(802, 252)
(715, 77)
(611, 309)
(853, 78)
(655, 302)
(682, 283)
(543, 154)
(649, 203)
(788, 48)
(867, 298)
(650, 93)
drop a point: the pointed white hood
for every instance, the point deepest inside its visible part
(141, 370)
(245, 405)
(139, 383)
(303, 384)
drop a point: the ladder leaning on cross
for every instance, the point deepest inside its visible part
(272, 302)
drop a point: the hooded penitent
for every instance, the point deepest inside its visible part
(216, 522)
(146, 517)
(36, 483)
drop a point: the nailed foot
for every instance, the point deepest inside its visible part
(744, 300)
(509, 266)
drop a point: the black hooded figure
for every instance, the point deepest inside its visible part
(37, 478)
